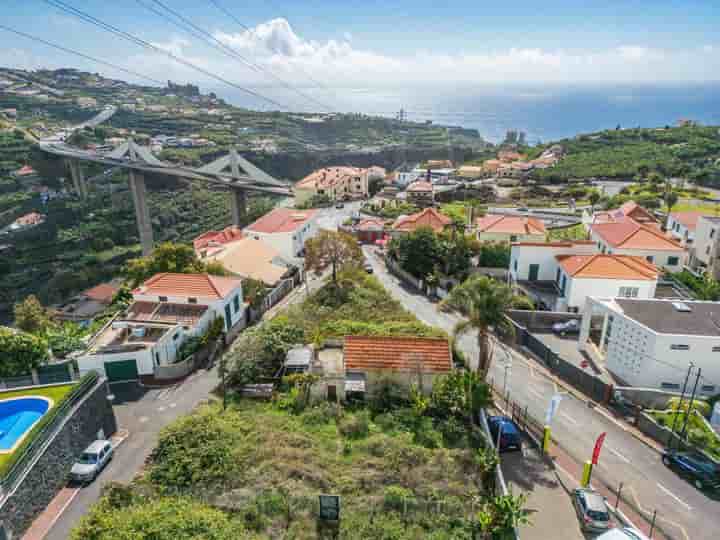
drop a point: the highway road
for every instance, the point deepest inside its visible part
(684, 513)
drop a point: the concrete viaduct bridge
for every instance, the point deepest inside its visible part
(232, 171)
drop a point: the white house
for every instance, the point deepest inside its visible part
(704, 248)
(682, 225)
(561, 275)
(285, 229)
(505, 228)
(650, 343)
(629, 237)
(167, 309)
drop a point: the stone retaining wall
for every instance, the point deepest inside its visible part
(50, 472)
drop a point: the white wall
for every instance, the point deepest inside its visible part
(659, 257)
(578, 289)
(679, 231)
(289, 244)
(544, 256)
(705, 234)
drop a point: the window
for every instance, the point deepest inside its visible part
(176, 336)
(513, 238)
(716, 349)
(157, 359)
(562, 287)
(670, 386)
(707, 250)
(515, 265)
(162, 298)
(649, 258)
(708, 388)
(679, 347)
(673, 261)
(629, 292)
(236, 303)
(712, 233)
(192, 300)
(557, 276)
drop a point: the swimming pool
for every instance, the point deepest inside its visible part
(17, 417)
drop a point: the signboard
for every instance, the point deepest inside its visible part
(330, 507)
(552, 409)
(598, 447)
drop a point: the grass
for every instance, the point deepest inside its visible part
(576, 232)
(698, 433)
(56, 393)
(711, 209)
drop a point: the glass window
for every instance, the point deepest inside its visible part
(629, 292)
(163, 298)
(236, 303)
(192, 300)
(708, 388)
(679, 347)
(515, 265)
(513, 238)
(673, 261)
(712, 233)
(670, 386)
(716, 349)
(650, 258)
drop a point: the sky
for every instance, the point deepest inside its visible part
(377, 44)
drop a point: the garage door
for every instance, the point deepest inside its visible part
(124, 370)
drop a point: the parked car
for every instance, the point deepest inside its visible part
(627, 533)
(696, 467)
(567, 327)
(368, 267)
(510, 437)
(592, 510)
(339, 205)
(92, 461)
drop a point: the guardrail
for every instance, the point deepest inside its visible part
(41, 433)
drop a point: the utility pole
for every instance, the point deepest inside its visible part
(682, 397)
(690, 407)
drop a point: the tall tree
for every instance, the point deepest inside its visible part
(594, 198)
(31, 316)
(332, 249)
(419, 251)
(168, 257)
(671, 199)
(483, 302)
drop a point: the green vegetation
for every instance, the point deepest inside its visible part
(334, 249)
(56, 393)
(704, 288)
(698, 432)
(168, 257)
(576, 232)
(316, 201)
(14, 151)
(424, 253)
(392, 211)
(494, 255)
(21, 352)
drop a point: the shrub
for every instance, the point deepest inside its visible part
(21, 352)
(321, 414)
(355, 426)
(398, 498)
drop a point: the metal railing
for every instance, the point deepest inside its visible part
(41, 433)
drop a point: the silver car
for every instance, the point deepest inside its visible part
(592, 510)
(91, 462)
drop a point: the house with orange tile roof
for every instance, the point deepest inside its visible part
(629, 237)
(369, 361)
(425, 218)
(421, 193)
(285, 229)
(505, 228)
(681, 225)
(167, 310)
(629, 210)
(252, 258)
(212, 240)
(337, 183)
(26, 221)
(370, 230)
(86, 305)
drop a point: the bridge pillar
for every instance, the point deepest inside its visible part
(238, 206)
(78, 178)
(142, 212)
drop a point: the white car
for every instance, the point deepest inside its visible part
(628, 533)
(92, 461)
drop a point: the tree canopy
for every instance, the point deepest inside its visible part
(21, 352)
(31, 316)
(169, 257)
(332, 249)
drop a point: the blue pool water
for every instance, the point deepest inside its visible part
(17, 416)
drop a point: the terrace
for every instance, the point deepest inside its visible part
(124, 336)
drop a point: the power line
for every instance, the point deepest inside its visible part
(58, 4)
(77, 53)
(227, 13)
(211, 40)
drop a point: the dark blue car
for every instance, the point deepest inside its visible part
(696, 467)
(510, 438)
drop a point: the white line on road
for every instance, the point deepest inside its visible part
(678, 499)
(536, 393)
(569, 418)
(618, 454)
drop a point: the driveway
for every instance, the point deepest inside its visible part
(143, 412)
(647, 484)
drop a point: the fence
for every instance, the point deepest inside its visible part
(43, 431)
(395, 269)
(47, 374)
(589, 385)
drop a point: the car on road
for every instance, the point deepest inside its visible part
(92, 461)
(696, 467)
(339, 205)
(566, 327)
(592, 510)
(510, 437)
(626, 533)
(368, 267)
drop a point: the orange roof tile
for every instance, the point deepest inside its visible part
(190, 285)
(630, 234)
(281, 220)
(608, 267)
(33, 218)
(370, 224)
(426, 218)
(228, 234)
(328, 177)
(397, 354)
(495, 223)
(568, 243)
(687, 219)
(420, 185)
(101, 293)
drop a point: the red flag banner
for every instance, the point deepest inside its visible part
(598, 447)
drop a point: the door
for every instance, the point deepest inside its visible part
(228, 317)
(123, 370)
(533, 272)
(332, 392)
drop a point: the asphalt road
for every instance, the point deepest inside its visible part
(683, 512)
(144, 413)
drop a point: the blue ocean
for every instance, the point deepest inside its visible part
(544, 113)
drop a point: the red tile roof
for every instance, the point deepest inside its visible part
(568, 243)
(26, 170)
(688, 219)
(420, 186)
(608, 267)
(281, 220)
(33, 218)
(330, 176)
(188, 285)
(102, 293)
(426, 218)
(227, 235)
(629, 234)
(494, 223)
(637, 212)
(397, 354)
(370, 224)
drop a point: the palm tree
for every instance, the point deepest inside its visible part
(483, 302)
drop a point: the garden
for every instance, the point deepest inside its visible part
(693, 425)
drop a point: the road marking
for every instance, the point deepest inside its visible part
(569, 418)
(618, 454)
(536, 393)
(678, 499)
